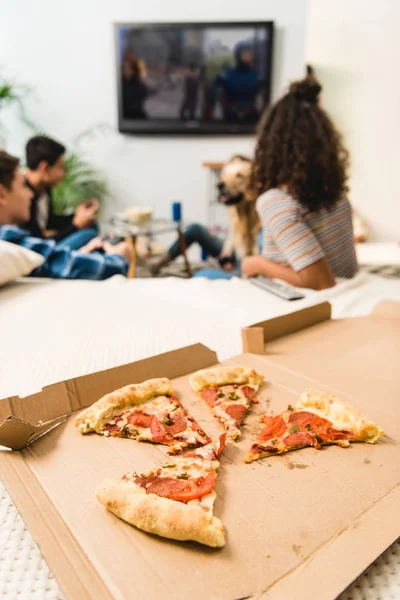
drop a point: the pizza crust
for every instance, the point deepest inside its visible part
(161, 516)
(341, 415)
(94, 417)
(219, 376)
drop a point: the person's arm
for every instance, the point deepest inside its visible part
(63, 263)
(306, 264)
(63, 232)
(60, 225)
(317, 276)
(65, 225)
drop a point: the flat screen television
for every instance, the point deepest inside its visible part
(212, 78)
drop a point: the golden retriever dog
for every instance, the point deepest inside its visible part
(234, 193)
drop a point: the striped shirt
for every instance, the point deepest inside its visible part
(295, 237)
(63, 263)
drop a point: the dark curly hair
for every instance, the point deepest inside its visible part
(299, 147)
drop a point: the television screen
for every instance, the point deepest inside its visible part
(203, 77)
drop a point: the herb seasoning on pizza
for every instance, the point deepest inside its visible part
(228, 391)
(147, 411)
(174, 501)
(318, 419)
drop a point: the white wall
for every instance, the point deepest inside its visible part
(64, 50)
(355, 48)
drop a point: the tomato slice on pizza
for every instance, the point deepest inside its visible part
(318, 419)
(147, 411)
(173, 501)
(229, 392)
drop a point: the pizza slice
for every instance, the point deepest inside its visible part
(318, 419)
(174, 501)
(228, 391)
(147, 411)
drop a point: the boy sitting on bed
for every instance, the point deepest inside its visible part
(60, 261)
(45, 170)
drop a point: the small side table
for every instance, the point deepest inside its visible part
(121, 226)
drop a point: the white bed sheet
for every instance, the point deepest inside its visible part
(53, 330)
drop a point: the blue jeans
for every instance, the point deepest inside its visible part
(216, 274)
(197, 233)
(79, 238)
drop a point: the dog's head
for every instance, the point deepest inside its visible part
(233, 184)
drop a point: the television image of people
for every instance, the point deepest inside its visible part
(215, 76)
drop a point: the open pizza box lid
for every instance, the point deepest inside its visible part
(301, 525)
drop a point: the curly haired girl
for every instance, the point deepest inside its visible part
(300, 174)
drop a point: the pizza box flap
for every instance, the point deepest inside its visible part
(254, 337)
(356, 357)
(23, 420)
(16, 433)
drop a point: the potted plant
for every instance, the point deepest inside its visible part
(82, 182)
(12, 94)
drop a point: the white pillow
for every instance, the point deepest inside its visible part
(16, 261)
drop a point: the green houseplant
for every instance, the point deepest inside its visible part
(82, 182)
(12, 94)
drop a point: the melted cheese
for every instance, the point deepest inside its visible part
(341, 415)
(158, 407)
(223, 402)
(192, 467)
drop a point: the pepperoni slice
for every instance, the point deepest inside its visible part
(309, 421)
(249, 392)
(195, 426)
(191, 455)
(222, 443)
(210, 395)
(179, 424)
(138, 418)
(182, 490)
(144, 482)
(236, 411)
(299, 440)
(275, 426)
(257, 449)
(162, 432)
(319, 426)
(333, 435)
(158, 432)
(113, 429)
(303, 418)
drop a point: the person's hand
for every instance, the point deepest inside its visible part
(226, 261)
(123, 249)
(94, 244)
(85, 214)
(228, 266)
(251, 266)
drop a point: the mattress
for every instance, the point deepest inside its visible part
(53, 330)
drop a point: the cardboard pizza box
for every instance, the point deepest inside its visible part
(300, 525)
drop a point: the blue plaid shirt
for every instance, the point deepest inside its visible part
(63, 263)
